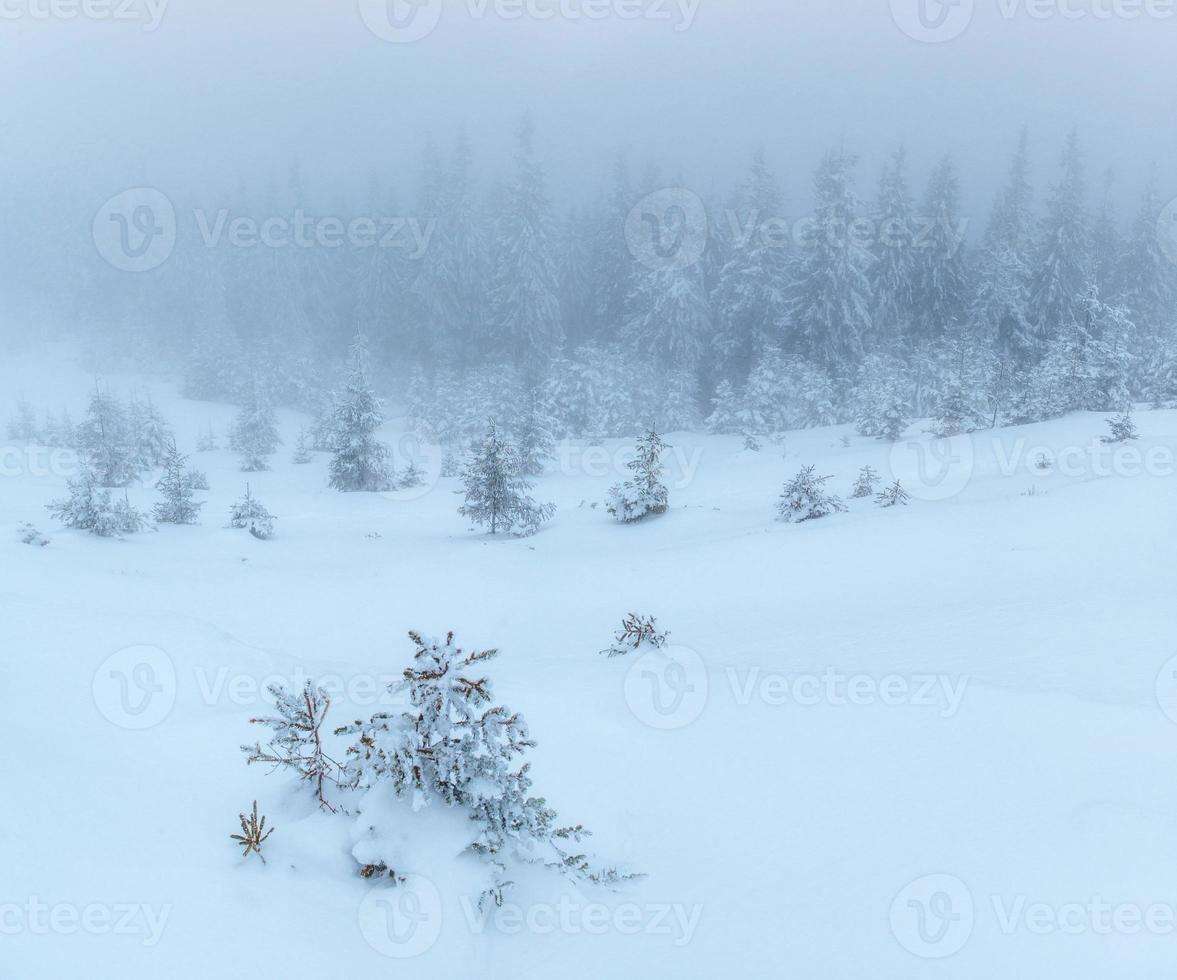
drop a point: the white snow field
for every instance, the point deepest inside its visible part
(927, 741)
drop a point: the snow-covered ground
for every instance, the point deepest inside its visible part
(973, 688)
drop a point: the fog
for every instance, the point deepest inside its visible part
(223, 93)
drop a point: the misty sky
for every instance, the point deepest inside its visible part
(231, 90)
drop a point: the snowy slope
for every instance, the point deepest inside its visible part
(1003, 649)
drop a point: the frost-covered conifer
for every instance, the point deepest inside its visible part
(197, 479)
(89, 507)
(250, 514)
(725, 410)
(497, 494)
(255, 430)
(867, 483)
(805, 498)
(151, 434)
(106, 443)
(302, 450)
(637, 633)
(297, 742)
(882, 405)
(177, 506)
(644, 493)
(457, 746)
(23, 427)
(207, 442)
(893, 496)
(532, 432)
(359, 461)
(1121, 429)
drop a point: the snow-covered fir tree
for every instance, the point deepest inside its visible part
(23, 426)
(255, 430)
(893, 496)
(867, 483)
(106, 443)
(672, 316)
(644, 493)
(302, 448)
(805, 498)
(456, 745)
(941, 288)
(532, 431)
(90, 507)
(207, 441)
(1061, 271)
(525, 318)
(250, 514)
(1146, 278)
(882, 404)
(360, 461)
(151, 433)
(894, 273)
(637, 634)
(497, 494)
(177, 505)
(829, 300)
(749, 298)
(1121, 429)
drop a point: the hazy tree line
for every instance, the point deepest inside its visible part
(877, 308)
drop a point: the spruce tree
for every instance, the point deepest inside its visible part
(867, 483)
(1121, 429)
(644, 493)
(672, 319)
(893, 496)
(532, 432)
(496, 493)
(255, 431)
(359, 461)
(893, 276)
(941, 298)
(525, 295)
(1146, 280)
(749, 299)
(250, 514)
(177, 506)
(1062, 265)
(23, 427)
(89, 507)
(805, 498)
(106, 443)
(829, 299)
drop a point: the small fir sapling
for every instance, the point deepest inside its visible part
(249, 513)
(297, 742)
(253, 834)
(23, 426)
(637, 633)
(455, 745)
(644, 494)
(197, 479)
(1122, 429)
(177, 506)
(302, 450)
(867, 483)
(893, 496)
(497, 494)
(412, 477)
(255, 431)
(89, 507)
(207, 442)
(804, 498)
(360, 462)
